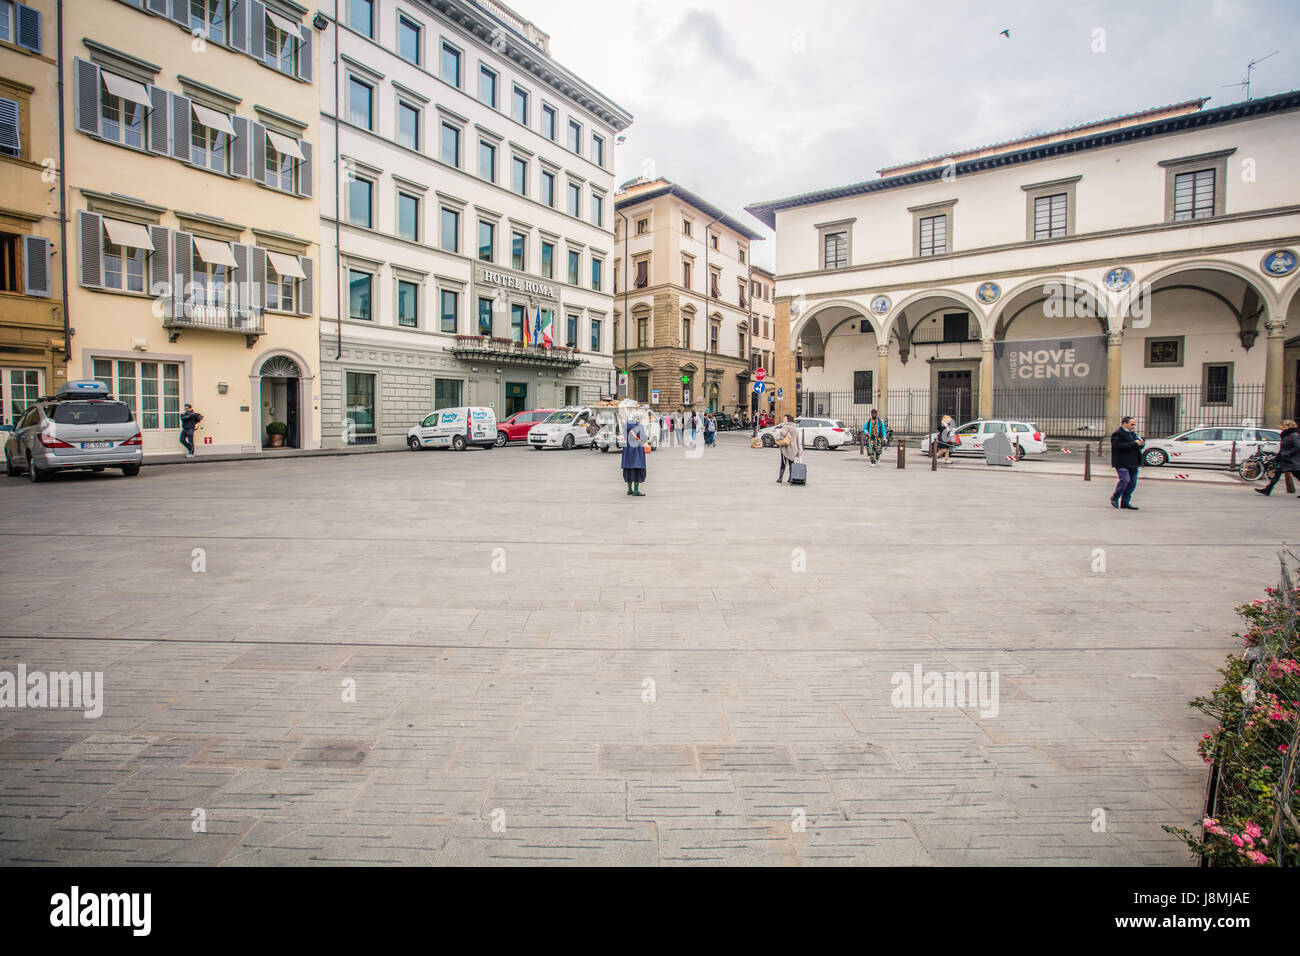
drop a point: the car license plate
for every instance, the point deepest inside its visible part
(96, 444)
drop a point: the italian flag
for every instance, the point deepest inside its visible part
(547, 335)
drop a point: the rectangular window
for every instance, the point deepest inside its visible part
(519, 105)
(517, 320)
(280, 290)
(575, 264)
(548, 122)
(121, 120)
(124, 267)
(836, 252)
(486, 241)
(642, 274)
(484, 316)
(10, 280)
(597, 268)
(571, 331)
(281, 170)
(548, 260)
(408, 40)
(487, 86)
(862, 390)
(956, 327)
(598, 150)
(206, 16)
(597, 209)
(686, 273)
(548, 188)
(446, 393)
(408, 304)
(408, 216)
(208, 147)
(281, 46)
(518, 245)
(519, 175)
(1194, 195)
(359, 294)
(450, 65)
(1218, 383)
(361, 17)
(449, 231)
(450, 306)
(408, 125)
(642, 333)
(359, 201)
(595, 335)
(575, 137)
(642, 226)
(450, 145)
(1049, 216)
(22, 386)
(740, 255)
(359, 396)
(934, 236)
(10, 126)
(713, 336)
(686, 227)
(487, 161)
(575, 199)
(360, 102)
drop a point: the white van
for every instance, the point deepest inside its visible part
(456, 428)
(613, 424)
(568, 427)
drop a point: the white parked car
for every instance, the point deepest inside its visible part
(1209, 446)
(613, 425)
(457, 428)
(820, 433)
(974, 434)
(566, 428)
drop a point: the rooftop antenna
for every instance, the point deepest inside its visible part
(1245, 84)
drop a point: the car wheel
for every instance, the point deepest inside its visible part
(458, 442)
(568, 443)
(129, 471)
(413, 443)
(769, 441)
(502, 439)
(35, 474)
(820, 443)
(1155, 457)
(537, 448)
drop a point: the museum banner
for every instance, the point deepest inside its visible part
(1051, 379)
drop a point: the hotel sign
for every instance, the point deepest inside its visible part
(506, 281)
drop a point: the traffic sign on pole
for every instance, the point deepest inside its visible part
(758, 388)
(760, 373)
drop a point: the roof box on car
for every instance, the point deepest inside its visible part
(83, 389)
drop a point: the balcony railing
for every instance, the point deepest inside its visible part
(492, 348)
(214, 318)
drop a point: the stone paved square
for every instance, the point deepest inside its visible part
(502, 716)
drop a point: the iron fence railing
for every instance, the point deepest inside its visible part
(1164, 410)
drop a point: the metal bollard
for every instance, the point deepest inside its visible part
(1087, 462)
(934, 453)
(902, 453)
(861, 444)
(1232, 465)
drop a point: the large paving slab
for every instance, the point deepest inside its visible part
(498, 657)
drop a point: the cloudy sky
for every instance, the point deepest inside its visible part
(746, 101)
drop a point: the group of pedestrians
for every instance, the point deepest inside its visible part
(681, 423)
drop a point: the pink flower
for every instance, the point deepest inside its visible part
(1238, 841)
(1253, 830)
(1283, 748)
(1256, 857)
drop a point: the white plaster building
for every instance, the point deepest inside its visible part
(1160, 246)
(476, 191)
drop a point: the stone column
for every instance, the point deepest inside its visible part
(1275, 330)
(882, 380)
(986, 378)
(783, 361)
(1114, 381)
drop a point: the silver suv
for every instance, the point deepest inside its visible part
(80, 427)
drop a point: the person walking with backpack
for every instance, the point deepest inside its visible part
(875, 433)
(710, 428)
(787, 440)
(1288, 457)
(189, 421)
(946, 438)
(1126, 457)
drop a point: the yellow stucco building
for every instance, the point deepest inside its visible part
(32, 340)
(192, 220)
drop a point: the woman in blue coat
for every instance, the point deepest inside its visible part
(635, 445)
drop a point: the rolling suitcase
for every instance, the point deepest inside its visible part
(798, 473)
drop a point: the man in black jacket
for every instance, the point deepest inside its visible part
(1288, 456)
(1126, 457)
(189, 421)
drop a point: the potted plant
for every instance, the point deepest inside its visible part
(276, 432)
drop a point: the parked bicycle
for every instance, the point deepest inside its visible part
(1257, 466)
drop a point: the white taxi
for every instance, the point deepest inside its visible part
(566, 428)
(1209, 445)
(974, 434)
(824, 434)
